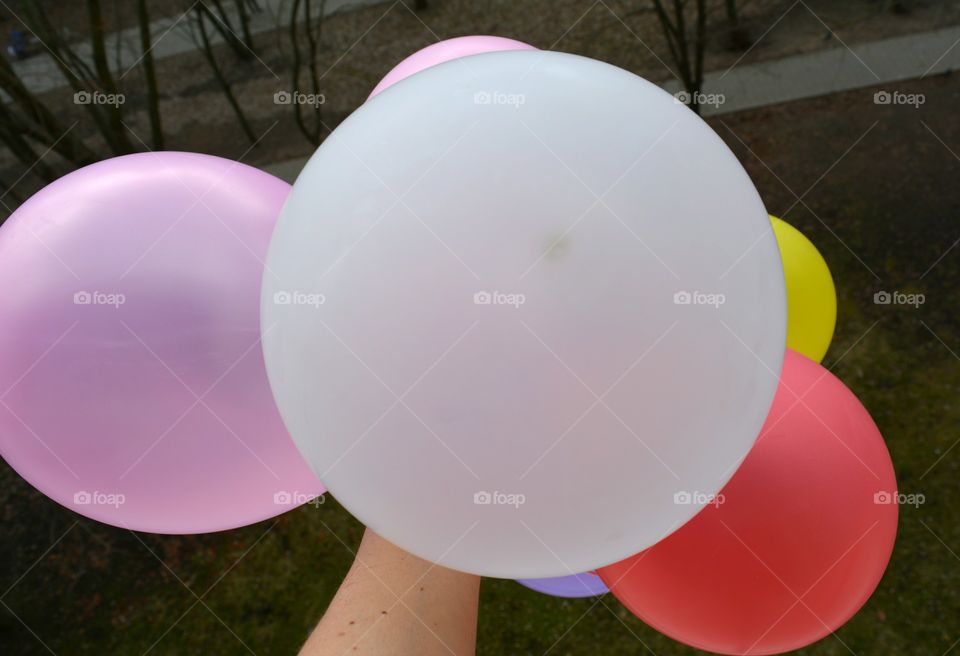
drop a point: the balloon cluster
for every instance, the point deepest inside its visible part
(522, 312)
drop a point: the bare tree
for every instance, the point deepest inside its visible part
(8, 190)
(13, 132)
(28, 116)
(114, 112)
(202, 14)
(150, 76)
(738, 36)
(313, 29)
(28, 125)
(223, 24)
(242, 11)
(731, 7)
(686, 44)
(80, 76)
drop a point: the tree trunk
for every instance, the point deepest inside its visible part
(150, 76)
(687, 51)
(115, 111)
(202, 11)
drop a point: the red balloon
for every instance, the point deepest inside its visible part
(795, 543)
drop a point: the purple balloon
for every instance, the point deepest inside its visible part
(132, 382)
(576, 585)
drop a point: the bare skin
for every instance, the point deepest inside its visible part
(392, 602)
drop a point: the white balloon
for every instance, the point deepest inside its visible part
(524, 314)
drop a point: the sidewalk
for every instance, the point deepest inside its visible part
(748, 86)
(829, 71)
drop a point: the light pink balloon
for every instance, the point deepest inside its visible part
(132, 383)
(444, 51)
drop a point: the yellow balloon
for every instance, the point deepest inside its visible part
(811, 296)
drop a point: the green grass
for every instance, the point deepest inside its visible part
(893, 200)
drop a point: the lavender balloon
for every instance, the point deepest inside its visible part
(587, 584)
(132, 383)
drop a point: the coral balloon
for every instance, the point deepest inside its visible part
(587, 584)
(132, 379)
(444, 51)
(811, 296)
(795, 543)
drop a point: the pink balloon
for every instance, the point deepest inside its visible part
(444, 51)
(132, 383)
